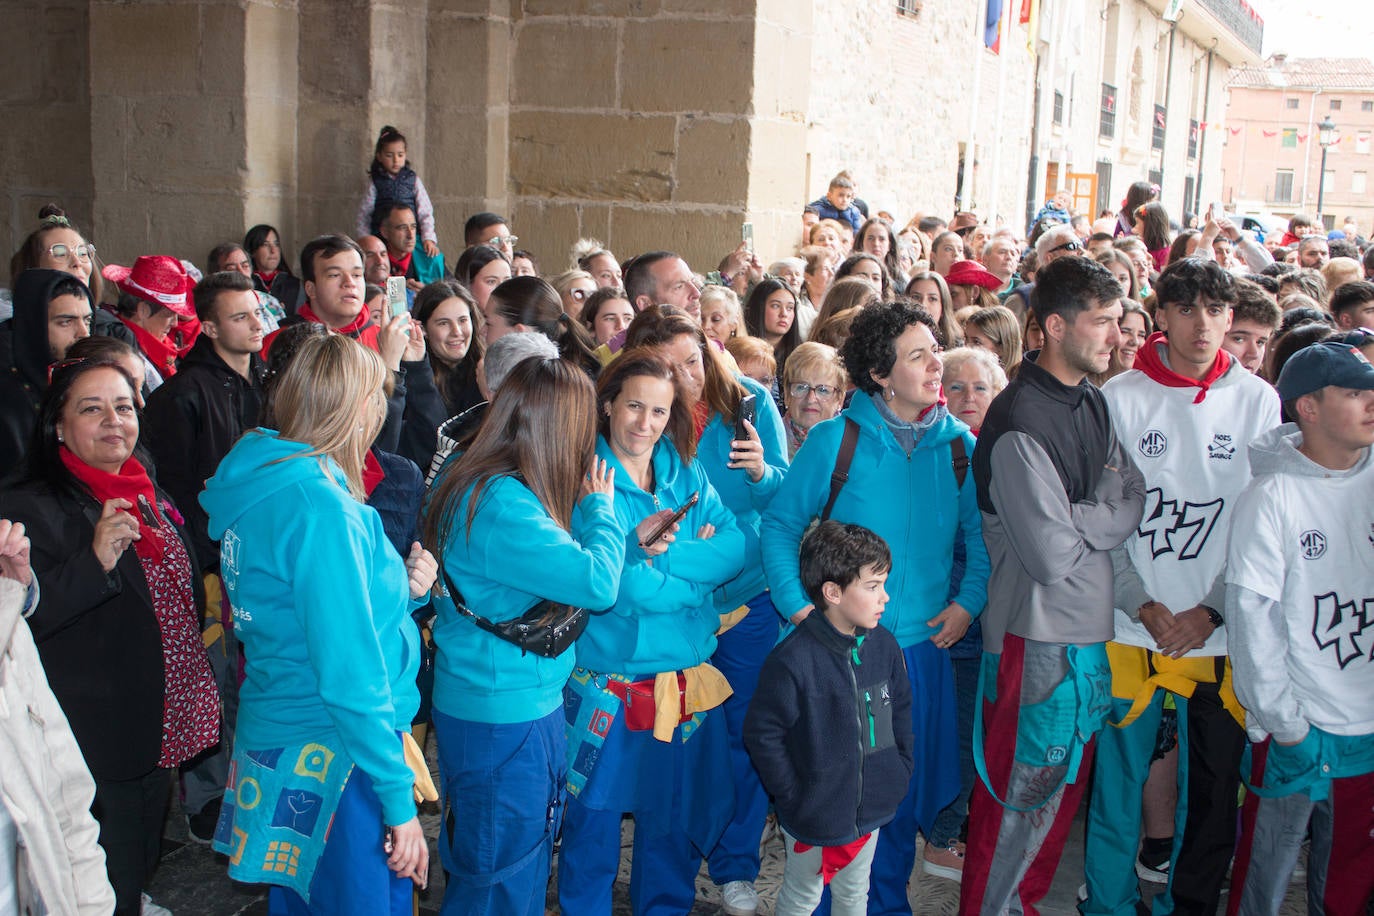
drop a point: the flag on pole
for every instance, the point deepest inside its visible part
(992, 29)
(1030, 18)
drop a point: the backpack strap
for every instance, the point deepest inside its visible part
(843, 459)
(959, 458)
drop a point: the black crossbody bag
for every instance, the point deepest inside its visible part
(548, 629)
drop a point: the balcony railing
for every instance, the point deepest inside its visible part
(1240, 18)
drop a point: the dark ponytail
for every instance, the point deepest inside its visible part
(388, 135)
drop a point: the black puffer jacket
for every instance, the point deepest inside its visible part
(189, 425)
(829, 730)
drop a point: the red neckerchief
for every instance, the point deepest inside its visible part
(373, 474)
(1148, 360)
(129, 483)
(161, 353)
(267, 276)
(401, 267)
(834, 858)
(185, 332)
(352, 328)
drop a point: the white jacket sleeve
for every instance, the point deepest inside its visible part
(1257, 641)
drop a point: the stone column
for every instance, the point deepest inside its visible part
(46, 149)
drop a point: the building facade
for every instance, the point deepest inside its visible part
(1133, 90)
(1273, 155)
(172, 125)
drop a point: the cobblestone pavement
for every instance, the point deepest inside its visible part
(192, 880)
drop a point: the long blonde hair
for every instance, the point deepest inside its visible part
(332, 396)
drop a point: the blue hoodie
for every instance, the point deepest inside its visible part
(515, 556)
(740, 494)
(664, 618)
(321, 603)
(911, 502)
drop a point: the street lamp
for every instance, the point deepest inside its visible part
(1326, 136)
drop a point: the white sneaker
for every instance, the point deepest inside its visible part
(738, 898)
(152, 909)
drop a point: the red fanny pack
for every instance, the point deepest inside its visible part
(637, 701)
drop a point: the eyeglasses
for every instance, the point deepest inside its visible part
(1067, 246)
(800, 390)
(63, 365)
(61, 252)
(503, 241)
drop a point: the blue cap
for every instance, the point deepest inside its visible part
(1330, 362)
(1334, 235)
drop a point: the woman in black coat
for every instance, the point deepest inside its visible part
(117, 627)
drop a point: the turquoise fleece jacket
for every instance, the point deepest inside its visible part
(911, 502)
(322, 606)
(515, 556)
(740, 494)
(664, 618)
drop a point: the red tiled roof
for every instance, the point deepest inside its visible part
(1350, 73)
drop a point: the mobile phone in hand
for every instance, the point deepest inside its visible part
(396, 296)
(747, 410)
(667, 524)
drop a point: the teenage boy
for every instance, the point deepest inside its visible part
(1057, 492)
(1300, 600)
(829, 728)
(1255, 319)
(838, 202)
(1353, 305)
(1186, 411)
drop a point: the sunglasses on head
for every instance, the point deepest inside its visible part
(1075, 245)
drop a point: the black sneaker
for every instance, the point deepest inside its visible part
(1153, 864)
(201, 827)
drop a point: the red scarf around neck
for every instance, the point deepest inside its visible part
(352, 328)
(1151, 363)
(399, 266)
(161, 353)
(129, 483)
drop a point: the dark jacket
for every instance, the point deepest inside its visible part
(831, 737)
(286, 288)
(1057, 493)
(97, 633)
(392, 189)
(24, 358)
(398, 499)
(424, 411)
(191, 422)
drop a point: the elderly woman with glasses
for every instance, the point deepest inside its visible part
(813, 388)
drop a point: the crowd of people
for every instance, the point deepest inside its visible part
(934, 532)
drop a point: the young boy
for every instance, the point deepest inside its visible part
(838, 202)
(1299, 600)
(829, 728)
(1254, 321)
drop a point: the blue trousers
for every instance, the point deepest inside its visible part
(950, 823)
(1210, 744)
(934, 782)
(352, 878)
(1113, 826)
(739, 656)
(681, 799)
(503, 788)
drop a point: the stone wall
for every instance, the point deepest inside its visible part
(46, 146)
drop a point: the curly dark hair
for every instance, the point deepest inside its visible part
(871, 349)
(1183, 281)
